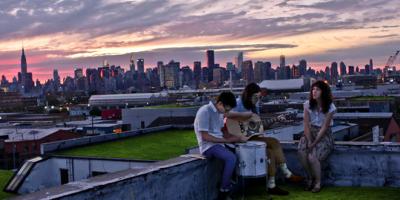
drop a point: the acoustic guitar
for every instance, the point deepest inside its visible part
(253, 126)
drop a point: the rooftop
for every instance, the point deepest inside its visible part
(290, 84)
(20, 134)
(154, 146)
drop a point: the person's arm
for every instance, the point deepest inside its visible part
(306, 122)
(209, 138)
(322, 131)
(239, 116)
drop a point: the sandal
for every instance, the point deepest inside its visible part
(309, 185)
(316, 189)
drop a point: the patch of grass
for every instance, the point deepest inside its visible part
(155, 146)
(5, 176)
(328, 193)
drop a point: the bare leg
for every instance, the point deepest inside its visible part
(316, 169)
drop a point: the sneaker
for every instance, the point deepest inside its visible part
(224, 195)
(295, 179)
(277, 191)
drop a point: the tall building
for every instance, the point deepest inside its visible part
(172, 75)
(161, 72)
(78, 73)
(218, 75)
(25, 78)
(56, 78)
(248, 72)
(351, 70)
(260, 71)
(282, 62)
(334, 72)
(342, 68)
(239, 62)
(132, 64)
(371, 66)
(140, 65)
(210, 63)
(295, 71)
(367, 69)
(24, 65)
(270, 72)
(187, 76)
(302, 67)
(197, 73)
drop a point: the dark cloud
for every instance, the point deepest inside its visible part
(384, 36)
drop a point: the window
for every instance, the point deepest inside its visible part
(64, 176)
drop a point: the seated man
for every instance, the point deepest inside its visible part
(207, 126)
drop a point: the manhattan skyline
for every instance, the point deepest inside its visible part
(66, 34)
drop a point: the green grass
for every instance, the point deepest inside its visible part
(170, 106)
(5, 176)
(155, 146)
(372, 98)
(328, 193)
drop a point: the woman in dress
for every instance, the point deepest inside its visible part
(317, 142)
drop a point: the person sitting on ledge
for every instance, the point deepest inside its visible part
(317, 142)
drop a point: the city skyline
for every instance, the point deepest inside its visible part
(63, 35)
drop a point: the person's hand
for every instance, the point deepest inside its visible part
(311, 145)
(243, 138)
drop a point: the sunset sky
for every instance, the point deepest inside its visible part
(67, 34)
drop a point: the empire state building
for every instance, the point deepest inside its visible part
(25, 78)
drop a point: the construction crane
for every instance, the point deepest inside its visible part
(389, 63)
(391, 59)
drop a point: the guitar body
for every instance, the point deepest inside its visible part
(250, 127)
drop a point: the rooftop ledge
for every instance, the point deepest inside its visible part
(351, 164)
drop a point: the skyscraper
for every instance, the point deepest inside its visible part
(140, 65)
(132, 64)
(351, 70)
(342, 68)
(239, 62)
(334, 72)
(247, 71)
(197, 73)
(210, 63)
(260, 71)
(161, 72)
(371, 66)
(302, 67)
(282, 62)
(24, 65)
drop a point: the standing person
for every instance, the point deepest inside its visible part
(247, 105)
(317, 142)
(208, 126)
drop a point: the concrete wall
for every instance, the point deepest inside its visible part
(355, 164)
(135, 116)
(46, 173)
(178, 178)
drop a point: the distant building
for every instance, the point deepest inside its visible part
(140, 65)
(247, 71)
(197, 73)
(210, 63)
(239, 62)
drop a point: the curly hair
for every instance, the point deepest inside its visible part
(326, 96)
(248, 92)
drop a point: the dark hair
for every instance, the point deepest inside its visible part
(248, 92)
(326, 96)
(227, 98)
